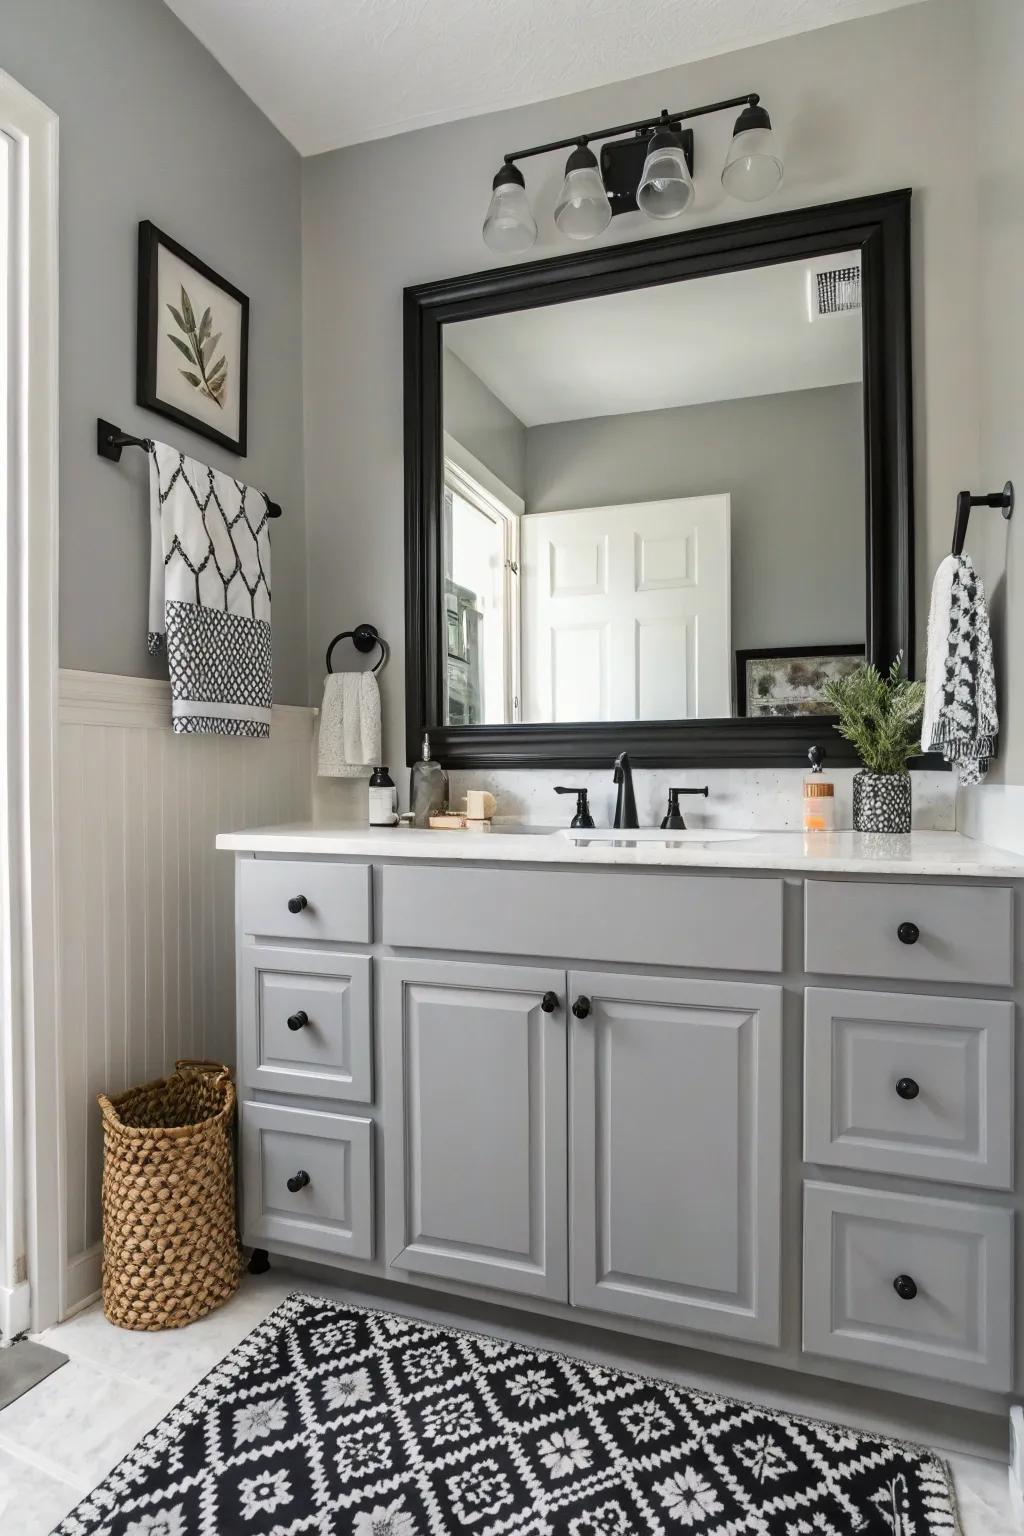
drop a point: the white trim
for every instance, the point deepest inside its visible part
(15, 1310)
(478, 472)
(103, 698)
(31, 720)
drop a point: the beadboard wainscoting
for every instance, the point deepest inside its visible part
(146, 904)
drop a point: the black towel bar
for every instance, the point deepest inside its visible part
(1003, 499)
(110, 440)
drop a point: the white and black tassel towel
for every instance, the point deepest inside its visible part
(209, 595)
(960, 718)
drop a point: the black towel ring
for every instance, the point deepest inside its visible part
(364, 637)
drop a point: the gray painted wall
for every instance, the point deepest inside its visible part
(862, 107)
(794, 466)
(483, 424)
(151, 127)
(999, 546)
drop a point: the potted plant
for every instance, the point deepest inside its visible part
(881, 716)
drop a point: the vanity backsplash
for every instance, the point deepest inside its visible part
(768, 799)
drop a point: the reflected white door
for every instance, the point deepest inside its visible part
(625, 612)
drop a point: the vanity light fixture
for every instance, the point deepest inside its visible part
(583, 209)
(666, 186)
(509, 226)
(752, 167)
(647, 165)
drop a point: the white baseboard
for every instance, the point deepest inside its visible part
(15, 1310)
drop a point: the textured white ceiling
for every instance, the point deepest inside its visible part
(333, 72)
(714, 338)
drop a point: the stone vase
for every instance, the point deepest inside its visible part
(881, 802)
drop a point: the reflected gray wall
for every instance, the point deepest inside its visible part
(152, 128)
(483, 424)
(794, 466)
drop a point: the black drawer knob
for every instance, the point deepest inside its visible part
(297, 904)
(907, 1088)
(908, 933)
(581, 1007)
(905, 1287)
(298, 1181)
(298, 1020)
(549, 1002)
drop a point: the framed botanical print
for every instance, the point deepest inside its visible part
(788, 680)
(193, 341)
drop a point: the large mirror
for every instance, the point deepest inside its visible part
(660, 515)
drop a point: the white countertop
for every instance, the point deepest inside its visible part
(918, 853)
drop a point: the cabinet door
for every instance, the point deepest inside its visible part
(475, 1108)
(676, 1151)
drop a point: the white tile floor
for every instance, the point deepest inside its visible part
(61, 1438)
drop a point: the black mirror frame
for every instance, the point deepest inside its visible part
(879, 227)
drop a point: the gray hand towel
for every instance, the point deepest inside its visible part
(349, 726)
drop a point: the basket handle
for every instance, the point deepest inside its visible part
(205, 1064)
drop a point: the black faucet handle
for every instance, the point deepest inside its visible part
(677, 792)
(582, 817)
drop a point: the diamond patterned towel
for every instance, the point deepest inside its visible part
(209, 595)
(960, 716)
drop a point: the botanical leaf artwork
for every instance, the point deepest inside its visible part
(206, 372)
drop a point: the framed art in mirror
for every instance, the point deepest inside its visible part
(634, 472)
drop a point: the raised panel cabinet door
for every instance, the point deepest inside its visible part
(307, 1180)
(475, 1108)
(909, 1283)
(676, 1149)
(903, 1084)
(306, 1022)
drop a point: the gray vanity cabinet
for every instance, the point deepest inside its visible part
(475, 1068)
(676, 1150)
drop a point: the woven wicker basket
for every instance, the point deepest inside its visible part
(170, 1246)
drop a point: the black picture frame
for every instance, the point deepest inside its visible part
(150, 327)
(878, 227)
(784, 653)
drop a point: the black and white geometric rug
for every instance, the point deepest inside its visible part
(333, 1419)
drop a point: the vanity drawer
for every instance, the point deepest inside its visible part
(332, 900)
(306, 1022)
(331, 1210)
(898, 1083)
(954, 1265)
(732, 923)
(949, 933)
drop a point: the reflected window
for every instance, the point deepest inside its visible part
(481, 603)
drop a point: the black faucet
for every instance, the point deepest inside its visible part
(625, 800)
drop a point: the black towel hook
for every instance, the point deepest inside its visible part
(1003, 499)
(364, 637)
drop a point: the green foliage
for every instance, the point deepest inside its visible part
(881, 716)
(199, 349)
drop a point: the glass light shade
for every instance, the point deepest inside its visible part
(510, 225)
(583, 209)
(666, 186)
(752, 166)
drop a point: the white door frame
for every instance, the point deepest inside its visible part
(31, 1175)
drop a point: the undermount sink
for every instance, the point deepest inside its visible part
(652, 835)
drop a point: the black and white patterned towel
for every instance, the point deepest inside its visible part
(960, 717)
(209, 595)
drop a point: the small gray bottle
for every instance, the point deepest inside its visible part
(428, 787)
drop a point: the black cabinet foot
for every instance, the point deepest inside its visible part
(259, 1263)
